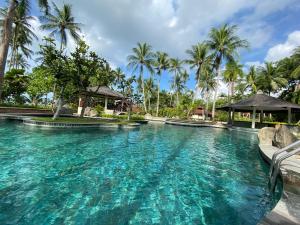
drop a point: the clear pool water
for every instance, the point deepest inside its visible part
(157, 174)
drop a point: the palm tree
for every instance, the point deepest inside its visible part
(208, 83)
(141, 59)
(179, 83)
(269, 80)
(149, 89)
(22, 37)
(161, 64)
(199, 59)
(231, 74)
(251, 79)
(7, 29)
(61, 23)
(224, 43)
(176, 68)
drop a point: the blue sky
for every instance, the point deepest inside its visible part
(112, 28)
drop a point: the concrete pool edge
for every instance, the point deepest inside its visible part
(287, 210)
(26, 120)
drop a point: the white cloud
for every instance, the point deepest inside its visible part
(285, 49)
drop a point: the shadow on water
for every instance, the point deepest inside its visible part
(123, 214)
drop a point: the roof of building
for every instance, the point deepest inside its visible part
(261, 102)
(105, 92)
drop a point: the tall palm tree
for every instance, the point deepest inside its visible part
(232, 72)
(176, 66)
(199, 59)
(208, 83)
(149, 89)
(22, 37)
(161, 64)
(60, 23)
(141, 59)
(224, 43)
(251, 79)
(179, 83)
(269, 80)
(7, 29)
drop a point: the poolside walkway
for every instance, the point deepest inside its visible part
(287, 210)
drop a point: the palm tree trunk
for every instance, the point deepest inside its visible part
(6, 36)
(59, 105)
(158, 90)
(177, 98)
(232, 91)
(143, 88)
(207, 100)
(215, 94)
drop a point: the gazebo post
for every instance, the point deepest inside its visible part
(253, 117)
(232, 120)
(105, 104)
(261, 117)
(289, 115)
(229, 116)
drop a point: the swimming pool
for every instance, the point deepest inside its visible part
(157, 174)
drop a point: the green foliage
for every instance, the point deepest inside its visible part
(123, 117)
(40, 84)
(99, 109)
(15, 85)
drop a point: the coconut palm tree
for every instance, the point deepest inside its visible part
(178, 83)
(176, 67)
(142, 59)
(60, 23)
(199, 59)
(208, 83)
(269, 80)
(225, 44)
(22, 37)
(232, 72)
(7, 29)
(251, 79)
(149, 90)
(161, 64)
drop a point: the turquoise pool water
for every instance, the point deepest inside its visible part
(157, 174)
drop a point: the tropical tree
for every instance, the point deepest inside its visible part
(199, 59)
(7, 30)
(224, 43)
(40, 84)
(142, 59)
(269, 80)
(251, 79)
(208, 83)
(176, 67)
(179, 84)
(61, 23)
(232, 72)
(149, 90)
(161, 64)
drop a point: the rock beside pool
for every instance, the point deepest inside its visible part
(283, 136)
(266, 135)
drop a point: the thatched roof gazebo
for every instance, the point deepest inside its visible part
(262, 103)
(101, 92)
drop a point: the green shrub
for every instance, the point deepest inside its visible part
(99, 109)
(123, 117)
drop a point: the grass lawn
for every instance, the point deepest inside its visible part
(79, 120)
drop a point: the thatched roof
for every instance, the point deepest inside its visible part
(261, 102)
(104, 91)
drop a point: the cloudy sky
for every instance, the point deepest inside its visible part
(113, 27)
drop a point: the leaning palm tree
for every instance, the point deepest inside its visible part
(7, 29)
(61, 23)
(225, 44)
(232, 72)
(141, 59)
(161, 64)
(176, 66)
(199, 59)
(269, 80)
